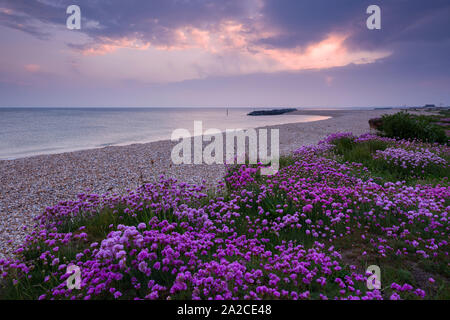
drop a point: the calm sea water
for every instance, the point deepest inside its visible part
(33, 131)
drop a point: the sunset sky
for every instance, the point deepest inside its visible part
(224, 53)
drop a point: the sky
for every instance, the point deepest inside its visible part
(258, 53)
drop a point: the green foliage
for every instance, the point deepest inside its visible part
(358, 152)
(363, 152)
(445, 113)
(403, 125)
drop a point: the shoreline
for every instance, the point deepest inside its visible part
(329, 113)
(129, 143)
(30, 184)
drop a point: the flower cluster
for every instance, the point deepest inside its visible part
(277, 237)
(405, 159)
(337, 136)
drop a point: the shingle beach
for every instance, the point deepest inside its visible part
(30, 184)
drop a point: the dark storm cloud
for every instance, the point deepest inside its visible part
(23, 15)
(302, 22)
(306, 21)
(298, 22)
(153, 20)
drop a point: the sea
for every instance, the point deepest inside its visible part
(27, 132)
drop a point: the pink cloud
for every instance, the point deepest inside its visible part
(6, 11)
(32, 68)
(231, 48)
(109, 45)
(329, 80)
(327, 53)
